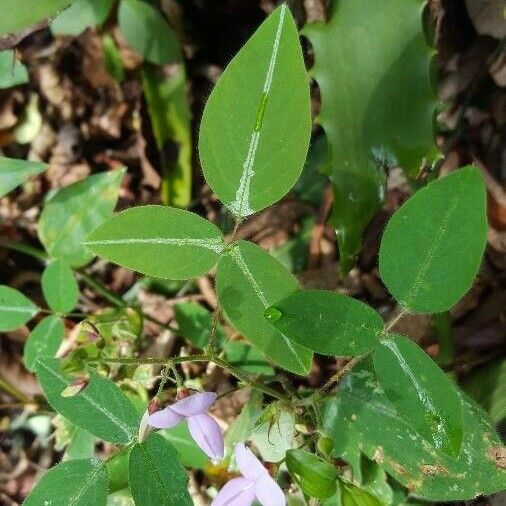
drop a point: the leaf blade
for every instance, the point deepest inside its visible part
(43, 341)
(15, 308)
(59, 286)
(15, 172)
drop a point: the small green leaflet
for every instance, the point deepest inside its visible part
(445, 220)
(157, 478)
(420, 391)
(147, 31)
(15, 308)
(256, 124)
(60, 287)
(15, 172)
(12, 73)
(189, 452)
(159, 241)
(80, 15)
(112, 58)
(76, 210)
(248, 281)
(43, 341)
(327, 322)
(76, 483)
(101, 408)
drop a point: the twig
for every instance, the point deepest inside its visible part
(392, 322)
(14, 392)
(339, 375)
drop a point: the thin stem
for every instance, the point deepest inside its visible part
(102, 290)
(14, 392)
(24, 248)
(214, 327)
(339, 375)
(443, 326)
(392, 322)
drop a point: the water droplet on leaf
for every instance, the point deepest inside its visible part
(272, 314)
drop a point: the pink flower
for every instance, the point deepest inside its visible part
(255, 483)
(203, 428)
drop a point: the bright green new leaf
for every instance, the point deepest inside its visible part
(159, 241)
(15, 172)
(248, 281)
(76, 210)
(372, 69)
(112, 58)
(189, 452)
(147, 31)
(157, 478)
(256, 124)
(432, 246)
(361, 418)
(43, 341)
(60, 287)
(80, 15)
(100, 408)
(420, 391)
(15, 308)
(76, 483)
(15, 19)
(327, 322)
(12, 73)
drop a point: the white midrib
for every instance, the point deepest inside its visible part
(241, 203)
(86, 485)
(18, 309)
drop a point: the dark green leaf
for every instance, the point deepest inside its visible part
(60, 287)
(80, 15)
(189, 452)
(247, 358)
(355, 496)
(15, 308)
(15, 172)
(43, 341)
(12, 73)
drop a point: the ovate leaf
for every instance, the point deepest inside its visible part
(147, 31)
(432, 246)
(327, 322)
(76, 483)
(15, 172)
(12, 73)
(372, 69)
(74, 211)
(256, 124)
(157, 478)
(80, 15)
(15, 308)
(60, 287)
(100, 408)
(43, 341)
(248, 281)
(159, 241)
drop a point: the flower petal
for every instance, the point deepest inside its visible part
(237, 492)
(207, 434)
(194, 404)
(248, 464)
(165, 419)
(269, 493)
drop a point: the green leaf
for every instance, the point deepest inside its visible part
(327, 322)
(80, 15)
(360, 417)
(157, 478)
(15, 19)
(372, 69)
(147, 31)
(60, 287)
(355, 496)
(101, 408)
(43, 341)
(374, 480)
(171, 122)
(112, 58)
(12, 73)
(317, 478)
(77, 443)
(159, 241)
(76, 483)
(247, 358)
(428, 259)
(76, 210)
(15, 308)
(420, 392)
(15, 172)
(248, 281)
(256, 124)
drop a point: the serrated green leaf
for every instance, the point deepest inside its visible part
(159, 241)
(420, 392)
(80, 15)
(15, 19)
(327, 322)
(74, 211)
(256, 124)
(147, 31)
(60, 287)
(15, 308)
(157, 478)
(361, 415)
(15, 172)
(248, 281)
(100, 408)
(432, 246)
(12, 73)
(43, 341)
(76, 483)
(372, 69)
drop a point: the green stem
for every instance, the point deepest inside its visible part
(443, 326)
(24, 248)
(14, 392)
